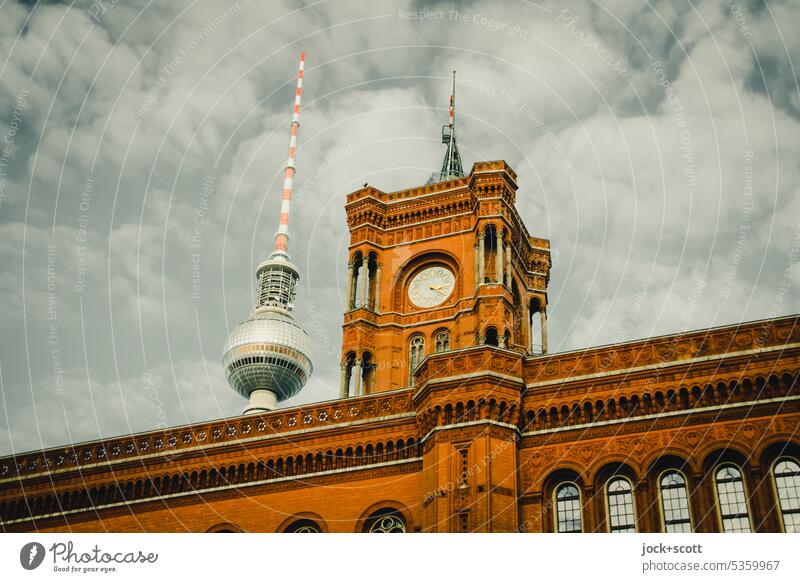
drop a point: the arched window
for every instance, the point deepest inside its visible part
(732, 500)
(303, 526)
(786, 473)
(675, 503)
(367, 373)
(416, 351)
(491, 338)
(568, 509)
(385, 521)
(619, 500)
(442, 341)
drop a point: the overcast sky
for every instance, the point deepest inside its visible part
(657, 147)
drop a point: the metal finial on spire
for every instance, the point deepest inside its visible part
(451, 167)
(282, 236)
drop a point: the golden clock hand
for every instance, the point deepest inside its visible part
(437, 288)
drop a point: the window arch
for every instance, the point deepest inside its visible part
(491, 338)
(568, 509)
(442, 341)
(732, 499)
(368, 368)
(303, 526)
(385, 521)
(620, 506)
(786, 477)
(675, 508)
(416, 351)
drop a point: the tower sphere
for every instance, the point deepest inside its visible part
(268, 351)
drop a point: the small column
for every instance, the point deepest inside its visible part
(343, 385)
(498, 256)
(357, 372)
(544, 329)
(481, 258)
(508, 263)
(363, 274)
(477, 266)
(350, 290)
(377, 306)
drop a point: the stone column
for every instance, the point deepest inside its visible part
(508, 263)
(350, 290)
(544, 329)
(498, 258)
(357, 372)
(477, 265)
(363, 277)
(376, 307)
(481, 258)
(344, 389)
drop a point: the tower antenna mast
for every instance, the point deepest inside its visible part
(282, 236)
(267, 358)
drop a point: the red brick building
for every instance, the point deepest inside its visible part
(453, 416)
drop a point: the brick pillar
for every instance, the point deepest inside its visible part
(647, 508)
(703, 509)
(590, 521)
(763, 506)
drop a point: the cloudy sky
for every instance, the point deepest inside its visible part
(142, 145)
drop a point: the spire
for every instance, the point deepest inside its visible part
(451, 167)
(282, 236)
(277, 276)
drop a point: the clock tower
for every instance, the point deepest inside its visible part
(439, 268)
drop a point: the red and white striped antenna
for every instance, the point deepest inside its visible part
(282, 236)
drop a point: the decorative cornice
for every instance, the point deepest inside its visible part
(237, 431)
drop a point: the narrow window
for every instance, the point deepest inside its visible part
(621, 514)
(442, 341)
(675, 503)
(416, 352)
(786, 473)
(568, 509)
(732, 500)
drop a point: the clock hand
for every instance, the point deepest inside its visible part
(437, 288)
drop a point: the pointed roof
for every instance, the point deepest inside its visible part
(451, 166)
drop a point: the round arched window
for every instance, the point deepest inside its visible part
(386, 521)
(303, 526)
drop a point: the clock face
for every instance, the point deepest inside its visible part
(431, 286)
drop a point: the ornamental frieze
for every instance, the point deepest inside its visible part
(663, 351)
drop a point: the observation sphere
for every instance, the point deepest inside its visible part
(268, 351)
